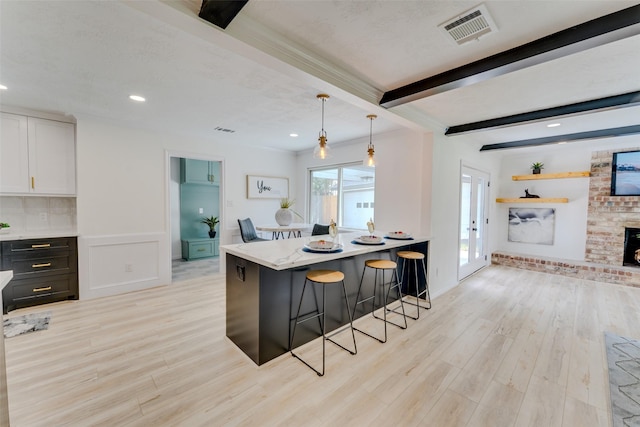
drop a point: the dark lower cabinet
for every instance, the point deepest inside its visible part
(44, 270)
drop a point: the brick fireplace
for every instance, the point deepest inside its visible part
(608, 219)
(608, 216)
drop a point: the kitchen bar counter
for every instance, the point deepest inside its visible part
(289, 253)
(40, 234)
(264, 282)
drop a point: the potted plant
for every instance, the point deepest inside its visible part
(537, 167)
(211, 222)
(3, 227)
(284, 215)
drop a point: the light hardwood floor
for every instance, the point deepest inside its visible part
(505, 348)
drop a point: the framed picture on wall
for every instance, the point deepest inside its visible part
(532, 225)
(267, 187)
(625, 174)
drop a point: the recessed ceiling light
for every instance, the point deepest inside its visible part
(137, 98)
(293, 135)
(553, 125)
(3, 87)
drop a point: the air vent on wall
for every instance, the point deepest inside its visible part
(470, 25)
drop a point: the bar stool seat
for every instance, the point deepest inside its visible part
(413, 257)
(324, 278)
(380, 265)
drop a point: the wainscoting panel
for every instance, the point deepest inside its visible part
(111, 265)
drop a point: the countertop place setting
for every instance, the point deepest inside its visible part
(283, 254)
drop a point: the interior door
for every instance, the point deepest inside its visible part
(474, 221)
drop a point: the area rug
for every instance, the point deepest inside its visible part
(28, 323)
(623, 358)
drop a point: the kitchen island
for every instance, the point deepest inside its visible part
(264, 282)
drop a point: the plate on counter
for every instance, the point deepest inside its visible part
(322, 247)
(398, 235)
(368, 240)
(321, 244)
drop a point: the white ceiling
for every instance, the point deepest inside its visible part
(260, 76)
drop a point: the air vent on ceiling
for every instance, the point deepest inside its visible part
(470, 25)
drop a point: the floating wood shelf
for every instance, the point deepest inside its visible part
(580, 174)
(532, 200)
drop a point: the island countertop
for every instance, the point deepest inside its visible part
(283, 254)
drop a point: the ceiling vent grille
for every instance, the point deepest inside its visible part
(470, 25)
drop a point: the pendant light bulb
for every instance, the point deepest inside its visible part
(370, 161)
(322, 150)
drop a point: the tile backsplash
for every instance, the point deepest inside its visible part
(35, 213)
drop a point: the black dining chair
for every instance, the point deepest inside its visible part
(248, 231)
(319, 229)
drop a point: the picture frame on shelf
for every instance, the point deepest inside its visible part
(267, 187)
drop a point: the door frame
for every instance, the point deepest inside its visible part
(485, 235)
(168, 200)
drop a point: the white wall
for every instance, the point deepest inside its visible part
(570, 218)
(123, 193)
(403, 183)
(448, 155)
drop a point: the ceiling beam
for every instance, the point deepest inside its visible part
(594, 134)
(606, 29)
(595, 105)
(221, 12)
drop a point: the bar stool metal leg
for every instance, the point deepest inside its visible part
(380, 265)
(323, 277)
(407, 257)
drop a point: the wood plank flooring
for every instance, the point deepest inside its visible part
(505, 348)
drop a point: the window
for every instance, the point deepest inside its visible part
(342, 193)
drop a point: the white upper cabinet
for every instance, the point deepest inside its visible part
(43, 164)
(14, 154)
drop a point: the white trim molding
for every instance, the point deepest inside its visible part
(115, 264)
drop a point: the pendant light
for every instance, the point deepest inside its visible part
(322, 149)
(370, 161)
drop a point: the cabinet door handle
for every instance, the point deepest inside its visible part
(45, 245)
(48, 288)
(46, 264)
(33, 183)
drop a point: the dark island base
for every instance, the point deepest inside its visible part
(262, 302)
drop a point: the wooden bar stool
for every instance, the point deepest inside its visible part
(381, 265)
(324, 278)
(407, 257)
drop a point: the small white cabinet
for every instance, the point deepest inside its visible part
(37, 156)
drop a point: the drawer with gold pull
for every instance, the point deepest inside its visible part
(44, 270)
(38, 245)
(52, 286)
(26, 266)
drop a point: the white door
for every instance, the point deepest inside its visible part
(474, 221)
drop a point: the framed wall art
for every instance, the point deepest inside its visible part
(625, 174)
(267, 187)
(532, 225)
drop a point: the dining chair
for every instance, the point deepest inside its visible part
(248, 231)
(319, 229)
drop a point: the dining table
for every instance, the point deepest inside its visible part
(264, 283)
(292, 230)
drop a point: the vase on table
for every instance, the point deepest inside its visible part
(284, 216)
